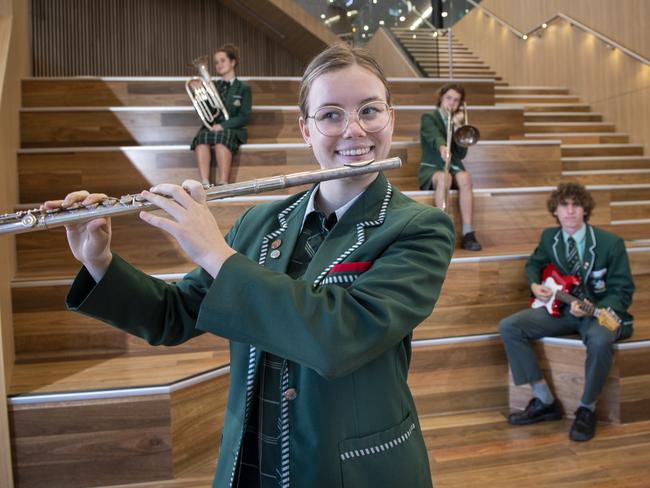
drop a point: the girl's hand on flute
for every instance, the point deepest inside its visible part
(90, 242)
(191, 223)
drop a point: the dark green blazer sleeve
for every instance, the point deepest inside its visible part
(162, 313)
(239, 114)
(619, 282)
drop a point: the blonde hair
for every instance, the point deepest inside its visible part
(333, 58)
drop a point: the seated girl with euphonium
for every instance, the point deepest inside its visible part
(225, 135)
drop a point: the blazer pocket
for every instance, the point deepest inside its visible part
(393, 458)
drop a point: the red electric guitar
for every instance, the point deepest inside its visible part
(561, 286)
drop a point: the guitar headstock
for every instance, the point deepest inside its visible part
(608, 319)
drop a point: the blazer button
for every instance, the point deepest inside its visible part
(290, 394)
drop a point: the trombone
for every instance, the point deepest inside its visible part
(205, 97)
(466, 135)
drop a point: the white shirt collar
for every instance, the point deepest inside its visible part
(339, 211)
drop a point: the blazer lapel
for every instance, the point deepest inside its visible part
(590, 253)
(350, 233)
(277, 245)
(559, 252)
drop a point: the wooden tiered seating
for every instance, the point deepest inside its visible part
(169, 92)
(126, 126)
(458, 361)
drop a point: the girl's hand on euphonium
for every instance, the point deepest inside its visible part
(191, 223)
(90, 242)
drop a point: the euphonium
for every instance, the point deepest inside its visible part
(37, 219)
(205, 98)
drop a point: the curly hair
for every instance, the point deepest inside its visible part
(571, 191)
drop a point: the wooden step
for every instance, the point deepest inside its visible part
(563, 117)
(608, 177)
(129, 126)
(568, 127)
(580, 150)
(45, 253)
(555, 107)
(165, 92)
(632, 210)
(582, 137)
(532, 90)
(527, 99)
(118, 434)
(477, 294)
(46, 174)
(605, 162)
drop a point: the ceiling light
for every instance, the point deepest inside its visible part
(524, 37)
(544, 25)
(444, 14)
(381, 22)
(402, 18)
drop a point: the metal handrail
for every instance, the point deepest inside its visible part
(525, 35)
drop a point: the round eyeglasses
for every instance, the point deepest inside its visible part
(333, 121)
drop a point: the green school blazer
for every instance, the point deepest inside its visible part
(605, 270)
(344, 327)
(433, 134)
(238, 102)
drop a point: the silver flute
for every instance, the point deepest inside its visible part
(37, 219)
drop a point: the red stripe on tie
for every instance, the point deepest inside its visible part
(351, 267)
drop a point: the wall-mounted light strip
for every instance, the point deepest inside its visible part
(612, 44)
(421, 18)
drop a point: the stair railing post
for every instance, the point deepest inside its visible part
(450, 53)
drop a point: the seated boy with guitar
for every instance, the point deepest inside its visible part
(588, 269)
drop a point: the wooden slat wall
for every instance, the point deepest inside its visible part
(610, 81)
(146, 38)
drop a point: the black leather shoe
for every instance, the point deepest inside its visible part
(536, 411)
(470, 243)
(584, 426)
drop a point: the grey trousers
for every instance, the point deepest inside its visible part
(518, 330)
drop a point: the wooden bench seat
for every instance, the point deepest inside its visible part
(45, 173)
(132, 126)
(142, 92)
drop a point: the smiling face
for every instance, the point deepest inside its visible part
(570, 215)
(347, 88)
(223, 64)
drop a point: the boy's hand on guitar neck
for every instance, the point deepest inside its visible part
(541, 292)
(577, 310)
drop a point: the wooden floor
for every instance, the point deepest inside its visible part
(481, 450)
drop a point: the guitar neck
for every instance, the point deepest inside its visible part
(566, 298)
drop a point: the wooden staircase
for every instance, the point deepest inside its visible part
(91, 406)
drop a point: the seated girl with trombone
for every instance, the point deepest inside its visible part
(227, 130)
(318, 294)
(442, 156)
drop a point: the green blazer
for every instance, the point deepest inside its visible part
(433, 134)
(344, 327)
(238, 102)
(606, 269)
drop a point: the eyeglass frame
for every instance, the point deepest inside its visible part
(347, 117)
